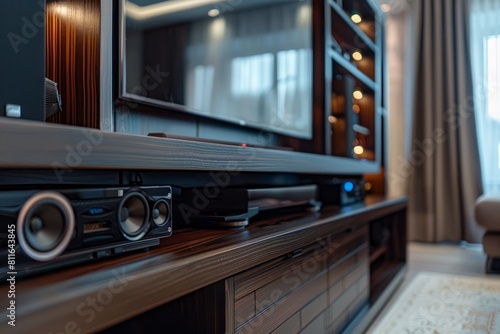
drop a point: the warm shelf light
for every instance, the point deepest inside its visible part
(332, 119)
(213, 12)
(356, 18)
(356, 55)
(356, 108)
(358, 150)
(357, 94)
(368, 186)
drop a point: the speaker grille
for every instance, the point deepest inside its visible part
(45, 225)
(133, 216)
(161, 213)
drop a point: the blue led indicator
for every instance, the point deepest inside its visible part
(96, 211)
(348, 186)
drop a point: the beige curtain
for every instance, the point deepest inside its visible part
(443, 166)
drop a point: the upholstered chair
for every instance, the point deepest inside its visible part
(487, 212)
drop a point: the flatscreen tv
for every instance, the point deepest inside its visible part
(244, 72)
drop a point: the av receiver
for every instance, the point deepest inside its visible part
(43, 229)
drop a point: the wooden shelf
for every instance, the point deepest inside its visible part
(382, 276)
(380, 251)
(356, 30)
(389, 259)
(338, 58)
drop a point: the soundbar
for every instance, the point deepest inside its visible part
(233, 208)
(45, 229)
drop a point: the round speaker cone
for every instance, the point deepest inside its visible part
(161, 213)
(133, 216)
(45, 225)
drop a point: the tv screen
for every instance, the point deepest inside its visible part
(247, 62)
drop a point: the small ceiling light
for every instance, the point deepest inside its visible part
(358, 150)
(213, 12)
(356, 55)
(357, 94)
(356, 18)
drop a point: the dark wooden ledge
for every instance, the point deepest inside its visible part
(29, 144)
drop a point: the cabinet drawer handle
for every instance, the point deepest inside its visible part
(294, 253)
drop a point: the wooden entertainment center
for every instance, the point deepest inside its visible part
(288, 271)
(284, 273)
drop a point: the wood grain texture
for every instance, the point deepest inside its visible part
(185, 262)
(73, 59)
(28, 144)
(313, 309)
(284, 281)
(279, 312)
(230, 308)
(291, 326)
(263, 275)
(244, 309)
(200, 312)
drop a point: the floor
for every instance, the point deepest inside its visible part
(460, 259)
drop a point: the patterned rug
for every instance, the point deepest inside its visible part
(445, 304)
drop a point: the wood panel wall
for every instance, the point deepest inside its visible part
(73, 59)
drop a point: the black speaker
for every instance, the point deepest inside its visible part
(22, 65)
(44, 229)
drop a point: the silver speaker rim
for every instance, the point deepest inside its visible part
(69, 217)
(167, 217)
(147, 223)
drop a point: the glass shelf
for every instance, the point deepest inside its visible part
(352, 116)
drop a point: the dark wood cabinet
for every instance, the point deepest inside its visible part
(285, 273)
(314, 289)
(387, 251)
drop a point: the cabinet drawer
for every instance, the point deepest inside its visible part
(301, 285)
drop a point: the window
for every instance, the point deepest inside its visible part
(485, 52)
(252, 75)
(493, 76)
